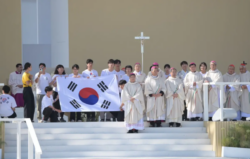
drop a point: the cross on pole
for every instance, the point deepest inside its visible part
(142, 45)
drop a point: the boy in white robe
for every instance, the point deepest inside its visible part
(161, 73)
(155, 90)
(232, 91)
(15, 81)
(193, 86)
(213, 75)
(175, 97)
(133, 100)
(245, 92)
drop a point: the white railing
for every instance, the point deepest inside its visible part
(32, 138)
(205, 96)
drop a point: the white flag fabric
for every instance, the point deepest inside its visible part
(85, 95)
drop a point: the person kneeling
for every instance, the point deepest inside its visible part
(47, 106)
(7, 103)
(132, 97)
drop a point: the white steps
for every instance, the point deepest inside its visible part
(110, 140)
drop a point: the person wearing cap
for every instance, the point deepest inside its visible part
(161, 73)
(213, 75)
(232, 91)
(154, 91)
(133, 107)
(245, 89)
(193, 82)
(175, 97)
(181, 74)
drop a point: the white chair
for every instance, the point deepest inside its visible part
(228, 113)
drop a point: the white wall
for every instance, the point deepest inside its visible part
(29, 22)
(45, 22)
(59, 33)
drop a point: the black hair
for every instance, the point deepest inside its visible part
(122, 82)
(6, 89)
(48, 89)
(117, 61)
(89, 61)
(26, 65)
(203, 63)
(57, 67)
(75, 66)
(167, 65)
(42, 64)
(191, 64)
(184, 62)
(19, 64)
(150, 68)
(128, 66)
(111, 61)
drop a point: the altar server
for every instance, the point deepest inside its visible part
(15, 81)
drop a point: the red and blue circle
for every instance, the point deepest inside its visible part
(88, 96)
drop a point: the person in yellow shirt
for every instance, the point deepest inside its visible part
(28, 96)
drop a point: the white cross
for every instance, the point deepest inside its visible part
(142, 46)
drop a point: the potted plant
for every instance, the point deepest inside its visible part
(237, 142)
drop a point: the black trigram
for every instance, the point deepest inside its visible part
(105, 104)
(102, 86)
(75, 104)
(72, 86)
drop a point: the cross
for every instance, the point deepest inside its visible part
(142, 46)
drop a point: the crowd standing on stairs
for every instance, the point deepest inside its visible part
(160, 95)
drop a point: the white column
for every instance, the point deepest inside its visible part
(59, 33)
(205, 98)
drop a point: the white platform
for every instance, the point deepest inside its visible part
(110, 140)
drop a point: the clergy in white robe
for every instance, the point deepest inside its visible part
(140, 76)
(193, 86)
(213, 75)
(245, 90)
(181, 74)
(15, 81)
(232, 91)
(175, 97)
(133, 100)
(154, 91)
(161, 73)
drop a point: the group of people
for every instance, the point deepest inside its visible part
(163, 95)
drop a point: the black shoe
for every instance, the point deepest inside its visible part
(210, 119)
(193, 119)
(102, 120)
(92, 119)
(171, 124)
(62, 120)
(158, 123)
(108, 120)
(178, 124)
(135, 131)
(152, 124)
(130, 131)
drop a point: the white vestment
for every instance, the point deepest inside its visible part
(155, 106)
(14, 80)
(140, 78)
(175, 106)
(245, 96)
(161, 75)
(193, 94)
(133, 111)
(214, 93)
(232, 94)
